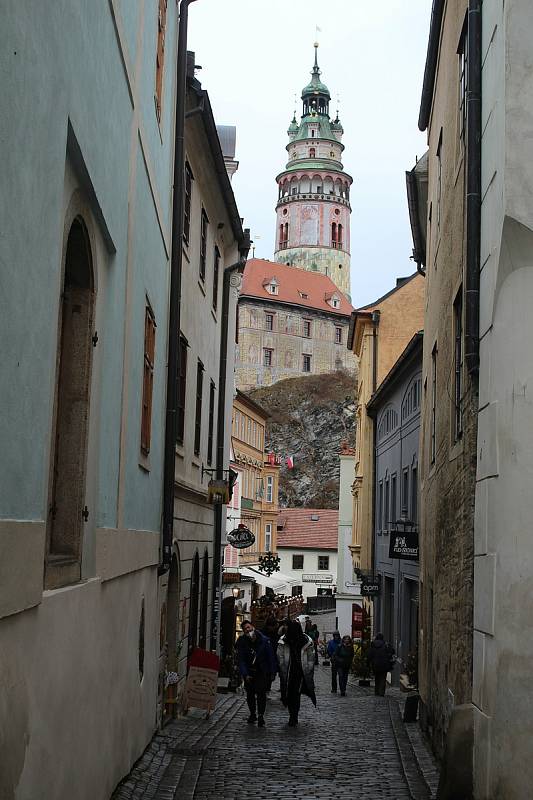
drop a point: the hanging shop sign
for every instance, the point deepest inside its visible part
(404, 545)
(370, 585)
(241, 537)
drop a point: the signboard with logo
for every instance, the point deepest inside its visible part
(317, 578)
(370, 585)
(404, 545)
(241, 537)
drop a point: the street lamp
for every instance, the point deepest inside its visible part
(235, 592)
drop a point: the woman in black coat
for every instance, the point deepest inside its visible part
(381, 659)
(343, 661)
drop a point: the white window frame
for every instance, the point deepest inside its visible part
(268, 537)
(269, 494)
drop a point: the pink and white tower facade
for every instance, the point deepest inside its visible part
(313, 209)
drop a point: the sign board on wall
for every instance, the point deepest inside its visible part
(370, 585)
(404, 545)
(317, 578)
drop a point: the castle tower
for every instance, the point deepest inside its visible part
(313, 209)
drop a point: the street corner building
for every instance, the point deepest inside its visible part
(86, 271)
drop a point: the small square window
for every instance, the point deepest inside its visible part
(323, 562)
(297, 561)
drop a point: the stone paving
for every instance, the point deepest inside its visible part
(355, 745)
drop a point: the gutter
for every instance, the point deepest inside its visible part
(473, 189)
(437, 13)
(229, 272)
(176, 260)
(375, 323)
(419, 250)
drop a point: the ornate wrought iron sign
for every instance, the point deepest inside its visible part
(269, 563)
(241, 537)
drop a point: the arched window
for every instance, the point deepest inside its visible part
(67, 509)
(312, 152)
(388, 422)
(202, 639)
(193, 604)
(334, 234)
(339, 236)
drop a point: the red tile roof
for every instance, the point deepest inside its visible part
(293, 282)
(298, 528)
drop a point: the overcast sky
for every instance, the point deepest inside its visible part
(256, 55)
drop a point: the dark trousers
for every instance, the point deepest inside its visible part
(256, 699)
(380, 682)
(333, 677)
(343, 678)
(293, 704)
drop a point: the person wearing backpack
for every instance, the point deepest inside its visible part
(381, 660)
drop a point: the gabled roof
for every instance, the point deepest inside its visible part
(292, 284)
(310, 528)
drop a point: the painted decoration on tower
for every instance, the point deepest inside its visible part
(309, 230)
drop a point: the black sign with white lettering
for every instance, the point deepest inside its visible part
(241, 537)
(404, 544)
(370, 585)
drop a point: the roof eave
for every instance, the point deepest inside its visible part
(430, 70)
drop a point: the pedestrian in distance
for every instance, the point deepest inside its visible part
(333, 646)
(315, 636)
(296, 659)
(343, 659)
(381, 660)
(258, 667)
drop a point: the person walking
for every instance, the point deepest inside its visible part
(296, 659)
(258, 667)
(343, 659)
(315, 636)
(381, 660)
(333, 646)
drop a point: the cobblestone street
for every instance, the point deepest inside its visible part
(355, 745)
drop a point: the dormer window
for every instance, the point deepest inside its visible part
(273, 288)
(335, 302)
(271, 285)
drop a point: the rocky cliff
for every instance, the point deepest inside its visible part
(310, 417)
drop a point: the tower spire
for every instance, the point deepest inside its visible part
(316, 68)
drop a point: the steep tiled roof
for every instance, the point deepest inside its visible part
(292, 283)
(298, 527)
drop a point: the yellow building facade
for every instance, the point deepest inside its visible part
(378, 334)
(258, 477)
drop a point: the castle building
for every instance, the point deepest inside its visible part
(313, 209)
(291, 323)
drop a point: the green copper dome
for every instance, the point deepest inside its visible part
(293, 127)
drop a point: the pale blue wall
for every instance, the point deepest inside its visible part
(61, 61)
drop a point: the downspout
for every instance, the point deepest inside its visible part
(176, 257)
(473, 189)
(221, 435)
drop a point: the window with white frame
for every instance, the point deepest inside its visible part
(269, 489)
(268, 537)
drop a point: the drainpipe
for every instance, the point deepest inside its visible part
(473, 189)
(176, 256)
(375, 322)
(238, 267)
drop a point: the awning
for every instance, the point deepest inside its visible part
(276, 581)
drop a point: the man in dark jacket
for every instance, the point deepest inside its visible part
(333, 646)
(381, 659)
(258, 667)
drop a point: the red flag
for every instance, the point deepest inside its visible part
(290, 462)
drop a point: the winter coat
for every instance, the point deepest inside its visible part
(380, 656)
(256, 660)
(308, 664)
(344, 656)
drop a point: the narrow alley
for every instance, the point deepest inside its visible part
(357, 746)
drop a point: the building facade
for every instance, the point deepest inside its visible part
(85, 274)
(291, 323)
(313, 209)
(348, 584)
(395, 409)
(378, 335)
(213, 244)
(307, 547)
(450, 400)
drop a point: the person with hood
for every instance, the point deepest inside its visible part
(343, 659)
(258, 667)
(296, 657)
(333, 646)
(381, 659)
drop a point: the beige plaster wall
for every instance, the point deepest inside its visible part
(74, 715)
